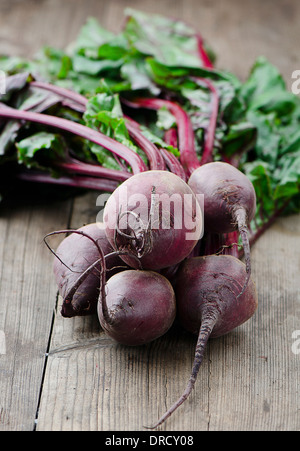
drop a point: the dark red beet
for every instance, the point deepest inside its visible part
(209, 305)
(154, 216)
(210, 285)
(229, 201)
(134, 306)
(79, 253)
(140, 307)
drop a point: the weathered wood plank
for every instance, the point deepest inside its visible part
(28, 298)
(254, 372)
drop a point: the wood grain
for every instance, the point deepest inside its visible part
(65, 373)
(28, 298)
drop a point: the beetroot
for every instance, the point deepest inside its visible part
(229, 202)
(138, 307)
(76, 253)
(155, 217)
(134, 306)
(209, 305)
(210, 285)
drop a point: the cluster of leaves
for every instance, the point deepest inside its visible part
(273, 165)
(257, 124)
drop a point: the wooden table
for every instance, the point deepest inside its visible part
(65, 374)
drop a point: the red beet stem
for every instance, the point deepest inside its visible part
(93, 170)
(115, 147)
(156, 160)
(62, 92)
(173, 164)
(170, 137)
(202, 53)
(207, 155)
(186, 138)
(76, 181)
(168, 158)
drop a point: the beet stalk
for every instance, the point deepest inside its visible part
(72, 180)
(209, 138)
(156, 161)
(202, 53)
(169, 159)
(74, 166)
(115, 147)
(186, 138)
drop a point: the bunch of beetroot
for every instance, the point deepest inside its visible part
(169, 243)
(143, 266)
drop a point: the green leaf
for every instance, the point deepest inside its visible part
(104, 113)
(158, 141)
(40, 149)
(263, 77)
(260, 175)
(170, 42)
(116, 48)
(91, 37)
(52, 63)
(165, 119)
(84, 65)
(104, 156)
(288, 177)
(281, 103)
(8, 136)
(136, 73)
(275, 112)
(239, 138)
(12, 64)
(268, 136)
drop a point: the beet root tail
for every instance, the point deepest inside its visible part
(207, 325)
(243, 231)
